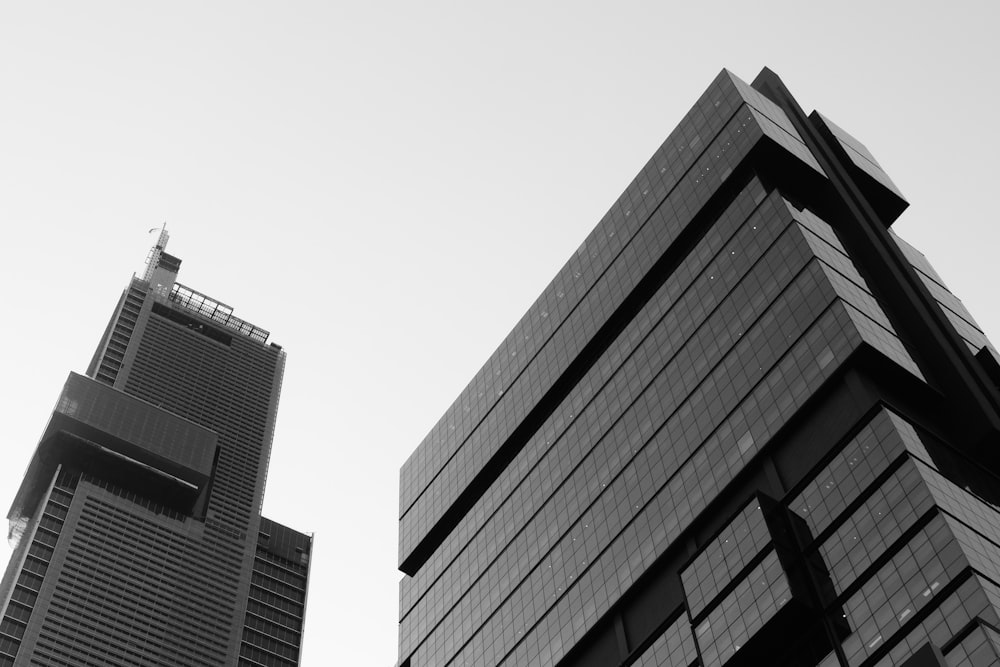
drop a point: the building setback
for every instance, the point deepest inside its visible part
(745, 424)
(137, 529)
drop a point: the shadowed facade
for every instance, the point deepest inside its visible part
(745, 424)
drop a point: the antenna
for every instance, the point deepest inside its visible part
(153, 258)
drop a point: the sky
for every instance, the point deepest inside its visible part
(387, 186)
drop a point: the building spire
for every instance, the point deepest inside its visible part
(153, 258)
(161, 268)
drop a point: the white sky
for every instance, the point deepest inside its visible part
(387, 186)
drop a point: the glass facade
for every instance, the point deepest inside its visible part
(734, 430)
(138, 527)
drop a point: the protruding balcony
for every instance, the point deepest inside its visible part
(121, 439)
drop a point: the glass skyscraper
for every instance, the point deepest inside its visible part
(746, 424)
(138, 534)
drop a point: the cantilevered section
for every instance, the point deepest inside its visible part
(744, 425)
(136, 523)
(881, 192)
(633, 247)
(128, 441)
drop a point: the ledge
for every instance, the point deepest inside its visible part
(129, 442)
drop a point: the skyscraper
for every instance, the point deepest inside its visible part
(746, 424)
(138, 534)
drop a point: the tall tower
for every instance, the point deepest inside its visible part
(138, 534)
(746, 424)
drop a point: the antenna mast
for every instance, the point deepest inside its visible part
(153, 258)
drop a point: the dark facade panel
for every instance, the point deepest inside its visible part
(272, 632)
(137, 443)
(743, 426)
(684, 155)
(662, 226)
(861, 158)
(620, 433)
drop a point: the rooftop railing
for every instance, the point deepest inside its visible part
(207, 307)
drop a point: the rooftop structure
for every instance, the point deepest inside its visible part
(137, 529)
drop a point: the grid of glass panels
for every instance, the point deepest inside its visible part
(861, 157)
(751, 356)
(772, 401)
(951, 306)
(974, 598)
(971, 510)
(661, 173)
(851, 471)
(955, 539)
(917, 259)
(906, 584)
(982, 554)
(738, 617)
(686, 307)
(979, 648)
(881, 520)
(561, 613)
(725, 556)
(713, 166)
(674, 648)
(669, 219)
(428, 619)
(786, 141)
(697, 353)
(854, 290)
(673, 312)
